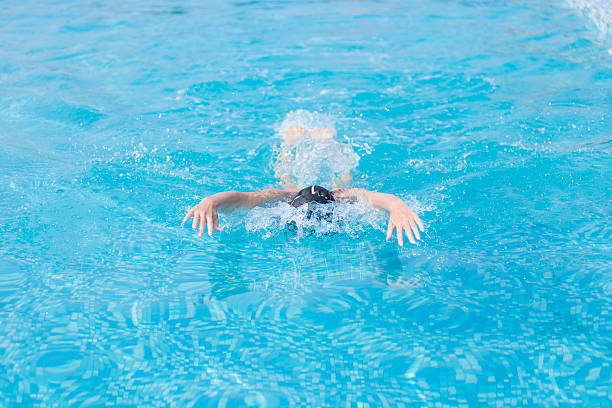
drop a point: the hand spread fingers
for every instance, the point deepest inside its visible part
(209, 221)
(415, 229)
(202, 225)
(189, 215)
(400, 236)
(194, 224)
(390, 230)
(409, 234)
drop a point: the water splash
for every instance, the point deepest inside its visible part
(307, 120)
(599, 11)
(309, 161)
(350, 219)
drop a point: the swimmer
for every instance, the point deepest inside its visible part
(401, 218)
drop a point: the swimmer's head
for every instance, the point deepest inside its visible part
(312, 194)
(315, 198)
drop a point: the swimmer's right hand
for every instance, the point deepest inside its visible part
(206, 214)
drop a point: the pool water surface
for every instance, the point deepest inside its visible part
(491, 119)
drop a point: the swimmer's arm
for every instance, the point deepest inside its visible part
(377, 200)
(401, 217)
(257, 198)
(206, 212)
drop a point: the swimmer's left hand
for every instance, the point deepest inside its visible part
(401, 217)
(404, 220)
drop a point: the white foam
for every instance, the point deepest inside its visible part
(350, 219)
(309, 161)
(599, 11)
(306, 119)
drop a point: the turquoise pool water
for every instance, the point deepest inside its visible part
(490, 118)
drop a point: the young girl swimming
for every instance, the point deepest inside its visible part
(401, 217)
(303, 143)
